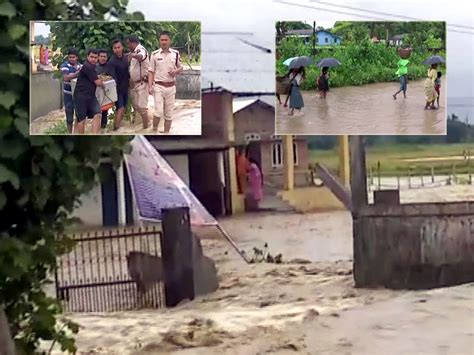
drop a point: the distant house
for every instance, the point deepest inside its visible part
(375, 39)
(323, 37)
(396, 40)
(254, 126)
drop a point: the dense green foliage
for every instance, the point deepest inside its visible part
(40, 39)
(365, 62)
(185, 35)
(418, 34)
(41, 178)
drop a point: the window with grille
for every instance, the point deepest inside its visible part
(277, 154)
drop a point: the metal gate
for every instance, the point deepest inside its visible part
(95, 275)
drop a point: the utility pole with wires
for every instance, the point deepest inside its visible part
(314, 38)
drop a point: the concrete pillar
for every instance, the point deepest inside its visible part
(237, 200)
(358, 173)
(288, 163)
(344, 161)
(122, 215)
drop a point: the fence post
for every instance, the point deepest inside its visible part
(454, 174)
(409, 178)
(398, 181)
(176, 250)
(378, 173)
(422, 182)
(432, 175)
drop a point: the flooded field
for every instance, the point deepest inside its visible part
(186, 121)
(367, 109)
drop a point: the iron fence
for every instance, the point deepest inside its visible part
(96, 275)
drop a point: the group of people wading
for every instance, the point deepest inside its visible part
(295, 77)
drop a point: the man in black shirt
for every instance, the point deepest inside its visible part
(119, 62)
(85, 100)
(104, 68)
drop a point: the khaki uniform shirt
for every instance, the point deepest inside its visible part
(162, 62)
(139, 69)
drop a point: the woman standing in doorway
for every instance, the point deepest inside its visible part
(42, 55)
(256, 182)
(46, 56)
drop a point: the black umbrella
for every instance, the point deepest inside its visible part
(328, 62)
(436, 59)
(300, 62)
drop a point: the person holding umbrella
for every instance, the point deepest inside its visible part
(296, 99)
(430, 82)
(323, 83)
(297, 76)
(323, 79)
(430, 91)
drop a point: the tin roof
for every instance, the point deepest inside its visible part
(240, 104)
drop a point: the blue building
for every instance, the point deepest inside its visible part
(323, 37)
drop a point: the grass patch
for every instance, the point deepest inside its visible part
(58, 128)
(393, 159)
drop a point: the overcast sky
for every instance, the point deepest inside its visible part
(41, 29)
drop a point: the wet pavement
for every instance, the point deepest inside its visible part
(367, 109)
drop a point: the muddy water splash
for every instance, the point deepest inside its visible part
(367, 109)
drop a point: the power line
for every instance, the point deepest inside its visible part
(383, 13)
(349, 13)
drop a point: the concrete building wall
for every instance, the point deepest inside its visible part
(414, 245)
(90, 210)
(180, 164)
(256, 118)
(46, 94)
(188, 85)
(216, 113)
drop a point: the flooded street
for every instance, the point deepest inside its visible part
(308, 305)
(368, 109)
(186, 121)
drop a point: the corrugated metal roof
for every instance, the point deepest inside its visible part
(229, 62)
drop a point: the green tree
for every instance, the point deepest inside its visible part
(41, 179)
(185, 35)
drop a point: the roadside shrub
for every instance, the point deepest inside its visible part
(362, 63)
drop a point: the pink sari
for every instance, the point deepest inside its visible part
(255, 178)
(46, 56)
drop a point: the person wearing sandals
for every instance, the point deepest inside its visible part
(296, 99)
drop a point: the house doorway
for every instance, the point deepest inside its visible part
(205, 181)
(109, 191)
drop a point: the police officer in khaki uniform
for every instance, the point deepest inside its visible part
(165, 64)
(139, 64)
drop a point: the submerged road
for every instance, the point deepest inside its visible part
(368, 109)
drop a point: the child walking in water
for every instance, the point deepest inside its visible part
(323, 83)
(402, 73)
(438, 86)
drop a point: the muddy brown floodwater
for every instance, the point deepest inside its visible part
(366, 109)
(307, 305)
